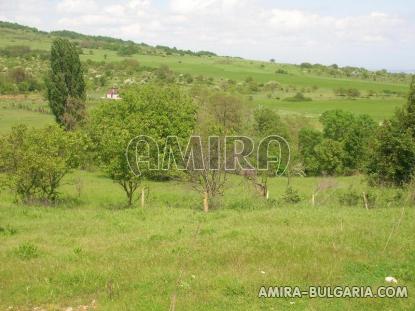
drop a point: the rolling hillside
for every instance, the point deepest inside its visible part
(114, 62)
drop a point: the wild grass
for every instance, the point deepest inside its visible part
(71, 254)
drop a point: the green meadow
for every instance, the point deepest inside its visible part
(90, 252)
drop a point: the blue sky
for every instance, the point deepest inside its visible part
(371, 33)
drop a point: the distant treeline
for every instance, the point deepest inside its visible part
(20, 27)
(350, 72)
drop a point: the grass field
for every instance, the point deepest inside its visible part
(136, 259)
(377, 109)
(13, 117)
(237, 69)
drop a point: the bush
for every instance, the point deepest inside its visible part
(281, 71)
(291, 196)
(35, 161)
(299, 97)
(128, 50)
(349, 197)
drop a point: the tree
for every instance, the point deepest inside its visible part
(392, 158)
(308, 140)
(330, 157)
(272, 86)
(219, 115)
(267, 123)
(66, 85)
(151, 110)
(336, 124)
(35, 161)
(406, 115)
(351, 133)
(227, 112)
(356, 142)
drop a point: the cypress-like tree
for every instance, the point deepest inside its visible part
(66, 85)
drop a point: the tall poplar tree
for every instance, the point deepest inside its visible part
(66, 84)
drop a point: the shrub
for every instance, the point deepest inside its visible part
(35, 161)
(349, 197)
(281, 71)
(299, 97)
(291, 196)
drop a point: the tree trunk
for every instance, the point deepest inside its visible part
(206, 202)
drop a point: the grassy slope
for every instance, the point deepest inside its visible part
(13, 117)
(378, 109)
(237, 69)
(136, 259)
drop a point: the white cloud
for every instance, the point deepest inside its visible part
(76, 6)
(115, 10)
(132, 30)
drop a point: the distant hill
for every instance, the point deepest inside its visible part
(125, 47)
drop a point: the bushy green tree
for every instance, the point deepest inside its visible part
(267, 122)
(308, 140)
(341, 130)
(36, 160)
(66, 83)
(356, 142)
(336, 124)
(151, 110)
(392, 158)
(406, 115)
(330, 157)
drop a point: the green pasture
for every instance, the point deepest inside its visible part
(215, 67)
(378, 109)
(88, 251)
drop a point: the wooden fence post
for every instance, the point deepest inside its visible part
(142, 197)
(206, 202)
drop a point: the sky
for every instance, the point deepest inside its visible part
(375, 34)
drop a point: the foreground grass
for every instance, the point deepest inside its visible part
(138, 259)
